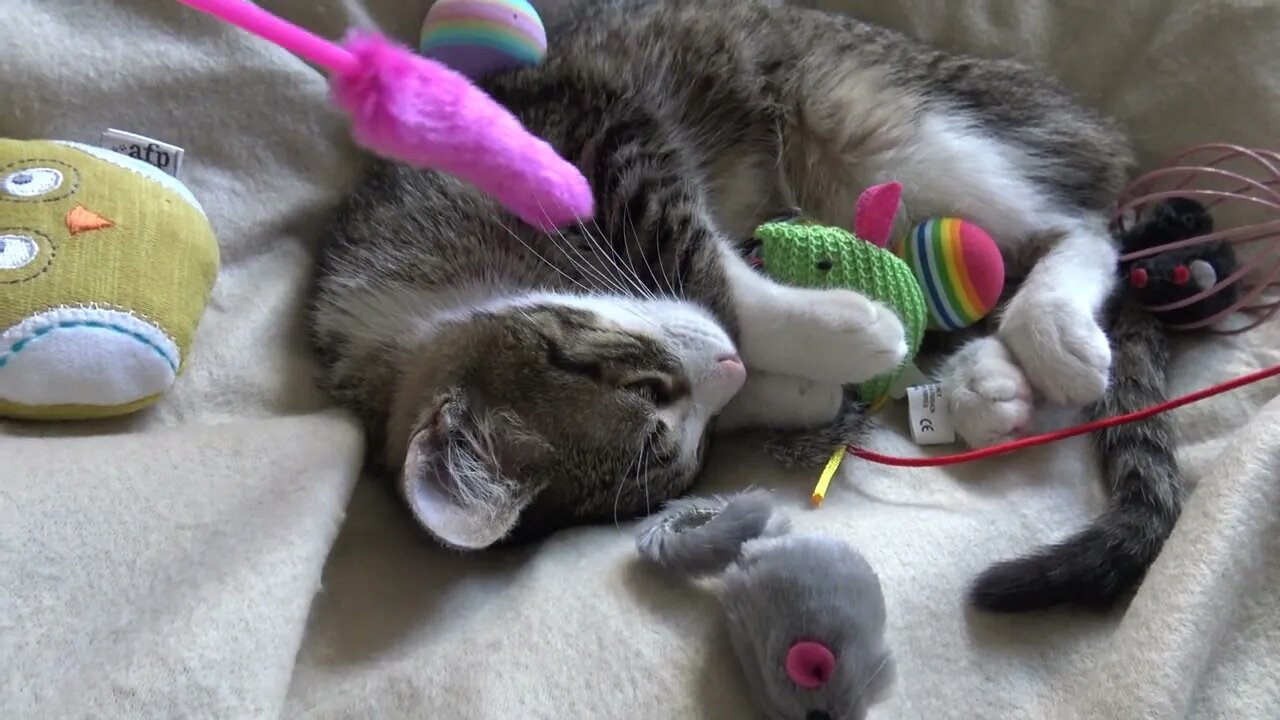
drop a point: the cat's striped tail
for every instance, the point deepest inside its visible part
(1109, 557)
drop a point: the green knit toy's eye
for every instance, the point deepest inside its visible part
(824, 265)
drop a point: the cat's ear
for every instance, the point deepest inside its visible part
(453, 478)
(874, 213)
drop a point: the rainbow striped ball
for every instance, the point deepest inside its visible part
(479, 37)
(959, 268)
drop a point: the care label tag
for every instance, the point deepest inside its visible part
(930, 417)
(910, 377)
(163, 156)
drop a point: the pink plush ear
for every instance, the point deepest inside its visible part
(874, 213)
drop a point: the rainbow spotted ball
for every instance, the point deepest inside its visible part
(959, 269)
(480, 37)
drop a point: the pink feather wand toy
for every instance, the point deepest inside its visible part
(414, 110)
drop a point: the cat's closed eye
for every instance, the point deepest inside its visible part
(657, 389)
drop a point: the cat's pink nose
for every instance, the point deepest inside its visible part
(731, 366)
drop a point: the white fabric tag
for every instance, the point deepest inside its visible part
(163, 156)
(910, 377)
(930, 417)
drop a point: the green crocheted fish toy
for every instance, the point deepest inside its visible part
(806, 254)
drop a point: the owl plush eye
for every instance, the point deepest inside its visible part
(32, 182)
(17, 251)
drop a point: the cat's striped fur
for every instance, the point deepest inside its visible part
(518, 383)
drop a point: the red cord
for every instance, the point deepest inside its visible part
(1046, 438)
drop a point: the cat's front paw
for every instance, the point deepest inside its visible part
(1060, 347)
(988, 396)
(812, 447)
(844, 337)
(801, 402)
(770, 400)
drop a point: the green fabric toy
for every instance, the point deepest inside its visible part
(806, 254)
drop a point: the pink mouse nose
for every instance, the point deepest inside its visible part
(810, 665)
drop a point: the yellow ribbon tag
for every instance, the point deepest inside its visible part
(824, 480)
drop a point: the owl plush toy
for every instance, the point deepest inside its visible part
(106, 264)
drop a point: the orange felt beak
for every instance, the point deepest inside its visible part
(81, 219)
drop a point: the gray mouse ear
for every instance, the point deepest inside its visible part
(1203, 274)
(701, 536)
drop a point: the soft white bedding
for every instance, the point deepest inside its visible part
(209, 558)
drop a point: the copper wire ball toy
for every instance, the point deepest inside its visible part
(1200, 238)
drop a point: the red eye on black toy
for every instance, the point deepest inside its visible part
(1164, 281)
(1183, 269)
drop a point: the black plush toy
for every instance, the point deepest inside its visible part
(1179, 273)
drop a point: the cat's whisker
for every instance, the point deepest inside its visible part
(680, 281)
(639, 246)
(628, 272)
(607, 256)
(657, 241)
(585, 266)
(562, 273)
(598, 274)
(644, 476)
(588, 270)
(622, 482)
(626, 214)
(627, 246)
(545, 261)
(675, 270)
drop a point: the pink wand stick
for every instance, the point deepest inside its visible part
(417, 111)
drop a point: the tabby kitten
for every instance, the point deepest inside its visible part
(518, 382)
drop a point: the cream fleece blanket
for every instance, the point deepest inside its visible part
(209, 559)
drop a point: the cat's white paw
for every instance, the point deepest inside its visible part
(1059, 346)
(833, 336)
(782, 402)
(988, 396)
(800, 402)
(838, 336)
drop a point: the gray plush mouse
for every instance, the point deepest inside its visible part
(805, 612)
